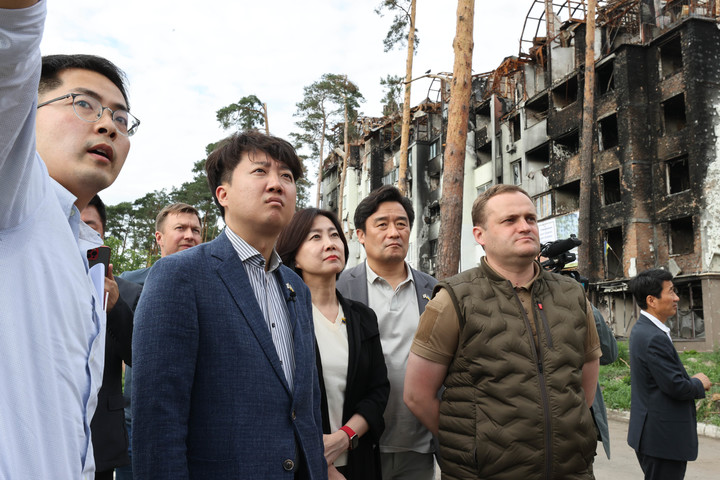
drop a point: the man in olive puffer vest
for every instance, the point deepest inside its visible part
(517, 351)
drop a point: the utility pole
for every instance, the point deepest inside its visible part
(451, 202)
(405, 133)
(586, 143)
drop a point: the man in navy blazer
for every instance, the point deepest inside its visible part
(225, 384)
(663, 427)
(398, 295)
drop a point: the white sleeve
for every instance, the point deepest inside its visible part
(22, 178)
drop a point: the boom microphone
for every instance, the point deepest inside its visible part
(560, 246)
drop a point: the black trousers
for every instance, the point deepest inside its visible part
(656, 468)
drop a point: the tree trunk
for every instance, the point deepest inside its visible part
(586, 144)
(265, 116)
(405, 132)
(320, 165)
(451, 202)
(346, 148)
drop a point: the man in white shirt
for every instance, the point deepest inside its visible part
(663, 421)
(398, 295)
(60, 143)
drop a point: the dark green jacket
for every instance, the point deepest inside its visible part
(513, 410)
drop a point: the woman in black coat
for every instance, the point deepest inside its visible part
(350, 363)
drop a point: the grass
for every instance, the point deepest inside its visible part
(615, 381)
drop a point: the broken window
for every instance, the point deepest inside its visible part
(611, 187)
(433, 149)
(566, 146)
(677, 175)
(543, 205)
(540, 155)
(673, 110)
(483, 115)
(567, 198)
(613, 253)
(482, 188)
(605, 77)
(515, 127)
(682, 239)
(517, 172)
(688, 322)
(671, 60)
(608, 132)
(484, 154)
(391, 178)
(565, 94)
(536, 110)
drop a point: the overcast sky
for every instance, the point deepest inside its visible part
(186, 60)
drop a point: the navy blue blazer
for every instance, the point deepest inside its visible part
(210, 399)
(662, 409)
(352, 284)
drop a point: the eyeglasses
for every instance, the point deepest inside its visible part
(89, 109)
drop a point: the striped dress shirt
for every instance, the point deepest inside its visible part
(269, 295)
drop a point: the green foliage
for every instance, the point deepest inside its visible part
(398, 32)
(245, 114)
(123, 260)
(393, 88)
(615, 381)
(623, 353)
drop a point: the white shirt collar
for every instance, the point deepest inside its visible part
(657, 323)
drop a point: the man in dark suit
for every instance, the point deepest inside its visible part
(398, 295)
(663, 428)
(177, 228)
(225, 384)
(109, 437)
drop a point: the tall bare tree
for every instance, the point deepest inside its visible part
(319, 110)
(405, 18)
(454, 158)
(586, 142)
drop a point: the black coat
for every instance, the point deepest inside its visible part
(367, 388)
(662, 408)
(109, 437)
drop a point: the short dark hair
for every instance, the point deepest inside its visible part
(221, 163)
(174, 209)
(99, 205)
(371, 203)
(649, 282)
(478, 208)
(52, 65)
(295, 233)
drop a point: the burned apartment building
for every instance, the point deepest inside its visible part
(374, 161)
(655, 189)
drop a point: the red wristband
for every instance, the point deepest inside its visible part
(350, 432)
(351, 435)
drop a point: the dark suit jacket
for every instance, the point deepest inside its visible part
(210, 399)
(367, 388)
(136, 276)
(109, 437)
(353, 284)
(662, 408)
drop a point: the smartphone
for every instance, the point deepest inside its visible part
(99, 255)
